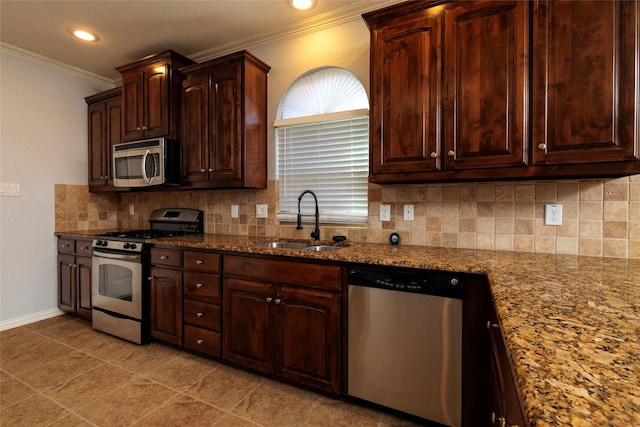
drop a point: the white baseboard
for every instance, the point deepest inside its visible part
(29, 318)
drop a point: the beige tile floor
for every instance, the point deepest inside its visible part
(60, 372)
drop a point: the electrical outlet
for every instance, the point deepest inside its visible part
(261, 211)
(132, 210)
(234, 211)
(553, 215)
(408, 212)
(385, 212)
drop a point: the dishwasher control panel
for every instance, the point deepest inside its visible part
(407, 280)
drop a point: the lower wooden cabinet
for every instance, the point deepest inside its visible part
(74, 276)
(166, 305)
(280, 328)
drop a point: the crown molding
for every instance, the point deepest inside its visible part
(57, 65)
(316, 23)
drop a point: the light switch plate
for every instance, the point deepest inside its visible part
(261, 211)
(385, 212)
(9, 190)
(234, 211)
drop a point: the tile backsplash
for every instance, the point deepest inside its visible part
(600, 217)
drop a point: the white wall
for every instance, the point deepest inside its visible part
(345, 46)
(43, 141)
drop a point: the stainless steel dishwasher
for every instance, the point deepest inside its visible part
(405, 341)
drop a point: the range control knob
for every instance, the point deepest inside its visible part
(133, 246)
(126, 246)
(101, 243)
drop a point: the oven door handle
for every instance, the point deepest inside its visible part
(121, 257)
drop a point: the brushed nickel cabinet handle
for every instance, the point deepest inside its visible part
(200, 341)
(164, 257)
(199, 314)
(451, 153)
(542, 146)
(199, 285)
(269, 299)
(199, 261)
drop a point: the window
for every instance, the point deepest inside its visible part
(322, 143)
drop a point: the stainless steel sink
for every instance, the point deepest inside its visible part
(284, 245)
(299, 245)
(323, 248)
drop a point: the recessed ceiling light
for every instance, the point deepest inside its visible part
(83, 34)
(303, 4)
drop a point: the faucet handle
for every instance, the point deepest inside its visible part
(339, 239)
(315, 236)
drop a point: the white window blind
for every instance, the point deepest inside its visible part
(322, 143)
(330, 158)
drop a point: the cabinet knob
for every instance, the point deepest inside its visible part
(199, 285)
(138, 128)
(210, 169)
(150, 278)
(200, 341)
(144, 128)
(269, 299)
(502, 421)
(203, 170)
(199, 314)
(434, 155)
(542, 146)
(199, 261)
(492, 325)
(451, 153)
(164, 257)
(278, 301)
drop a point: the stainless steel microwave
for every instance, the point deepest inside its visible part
(147, 162)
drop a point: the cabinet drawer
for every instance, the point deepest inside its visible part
(167, 257)
(201, 261)
(202, 314)
(202, 340)
(84, 248)
(202, 286)
(298, 273)
(66, 246)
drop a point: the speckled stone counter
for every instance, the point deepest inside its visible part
(572, 324)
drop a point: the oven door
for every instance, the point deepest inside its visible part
(116, 283)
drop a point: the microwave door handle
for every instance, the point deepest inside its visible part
(144, 167)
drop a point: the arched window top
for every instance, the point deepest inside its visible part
(323, 90)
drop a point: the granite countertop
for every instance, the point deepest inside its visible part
(571, 323)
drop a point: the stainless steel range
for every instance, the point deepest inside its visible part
(119, 284)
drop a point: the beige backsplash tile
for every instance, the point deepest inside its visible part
(600, 217)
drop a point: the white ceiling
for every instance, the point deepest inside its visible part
(130, 30)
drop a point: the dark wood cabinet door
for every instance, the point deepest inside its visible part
(166, 305)
(113, 132)
(156, 104)
(405, 73)
(486, 48)
(248, 327)
(309, 339)
(83, 288)
(66, 282)
(98, 172)
(225, 146)
(195, 128)
(132, 105)
(585, 84)
(104, 111)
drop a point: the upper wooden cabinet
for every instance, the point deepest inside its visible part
(485, 77)
(585, 81)
(503, 90)
(104, 115)
(224, 123)
(151, 96)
